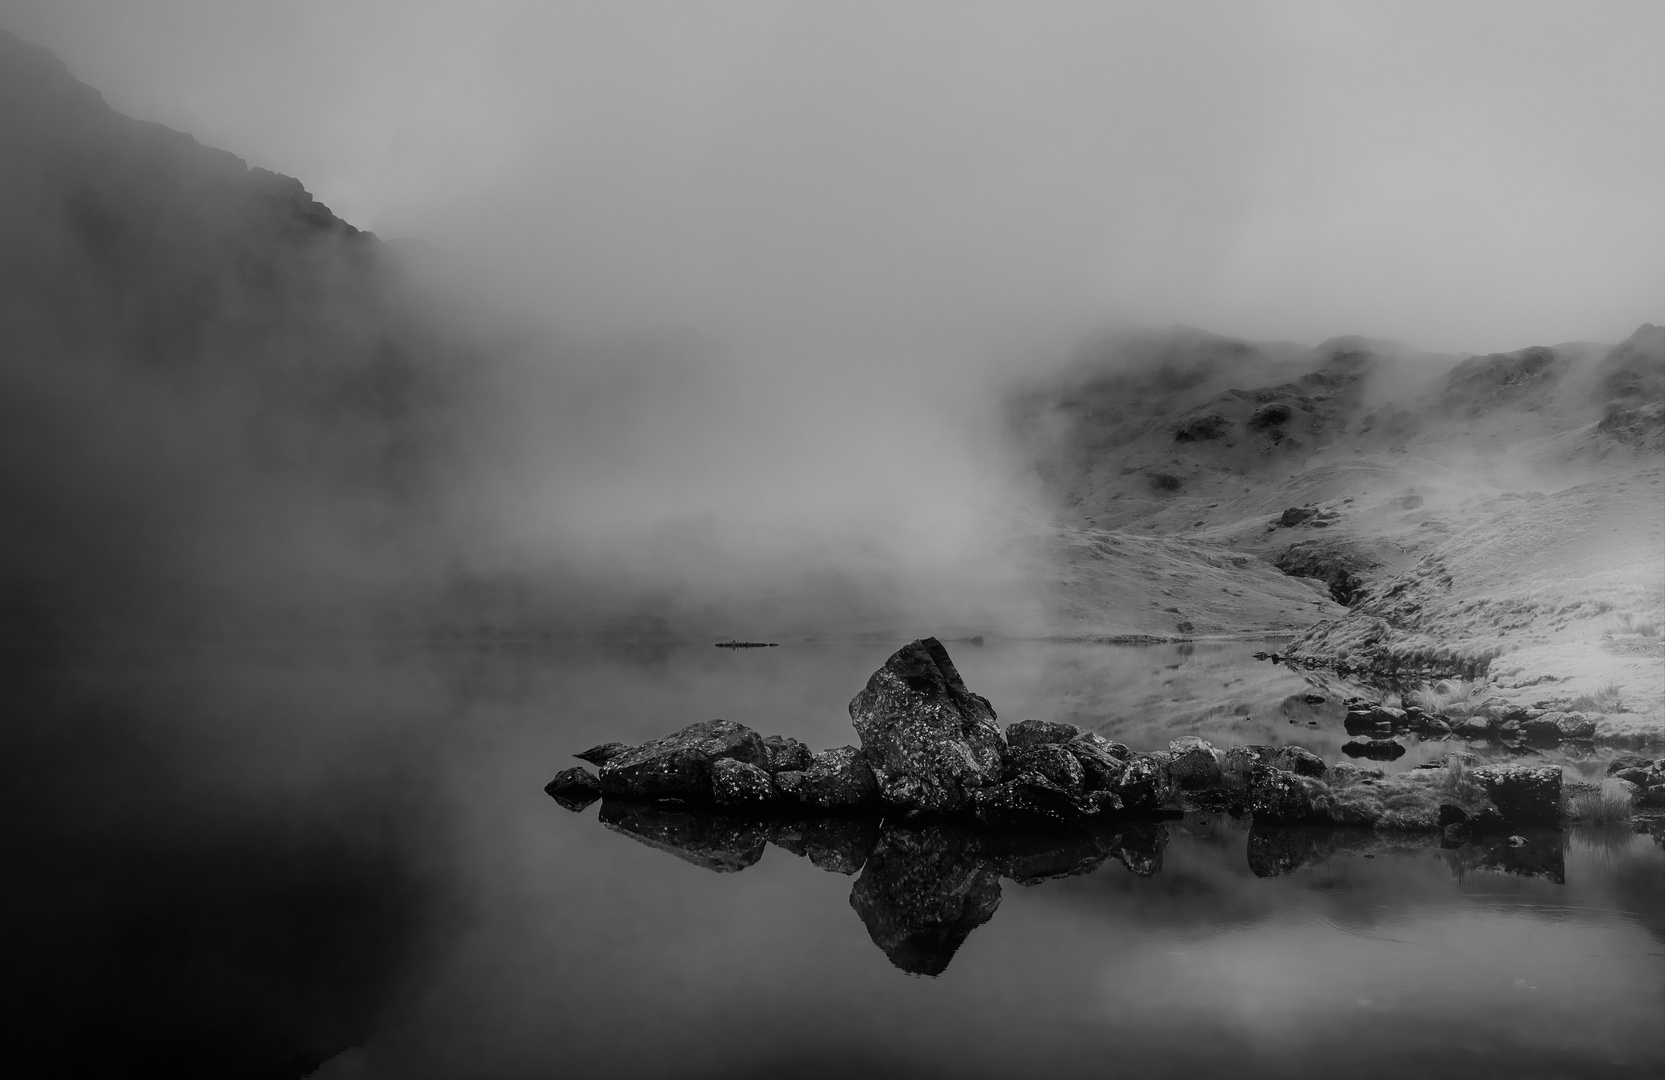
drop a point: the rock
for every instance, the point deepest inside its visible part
(679, 765)
(790, 783)
(574, 788)
(1051, 761)
(1030, 733)
(1101, 765)
(602, 754)
(922, 893)
(1517, 841)
(838, 780)
(1472, 727)
(1542, 730)
(1344, 772)
(1452, 815)
(1031, 799)
(1193, 762)
(1297, 760)
(1430, 724)
(1628, 761)
(1237, 761)
(1374, 749)
(784, 753)
(1654, 795)
(930, 742)
(1297, 514)
(1523, 794)
(1276, 796)
(1144, 786)
(735, 783)
(1366, 721)
(716, 841)
(1575, 726)
(1630, 789)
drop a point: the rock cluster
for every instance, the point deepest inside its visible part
(1645, 779)
(931, 747)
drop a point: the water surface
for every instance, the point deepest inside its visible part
(279, 861)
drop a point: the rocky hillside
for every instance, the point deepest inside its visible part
(1483, 514)
(216, 402)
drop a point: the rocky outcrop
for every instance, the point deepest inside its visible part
(679, 765)
(930, 741)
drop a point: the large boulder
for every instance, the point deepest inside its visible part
(836, 780)
(930, 741)
(679, 765)
(1524, 794)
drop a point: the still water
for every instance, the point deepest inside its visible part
(288, 862)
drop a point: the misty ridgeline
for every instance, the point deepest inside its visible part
(227, 412)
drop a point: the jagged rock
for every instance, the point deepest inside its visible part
(715, 841)
(1030, 733)
(1276, 796)
(1193, 762)
(838, 780)
(1050, 760)
(1374, 749)
(679, 765)
(1100, 763)
(1031, 799)
(1523, 794)
(735, 783)
(574, 788)
(922, 893)
(1144, 785)
(930, 742)
(603, 753)
(785, 753)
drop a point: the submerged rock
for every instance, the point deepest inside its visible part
(837, 780)
(930, 741)
(922, 893)
(679, 765)
(1523, 794)
(574, 788)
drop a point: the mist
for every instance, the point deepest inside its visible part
(716, 309)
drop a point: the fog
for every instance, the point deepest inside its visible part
(739, 286)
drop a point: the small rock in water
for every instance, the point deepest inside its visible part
(602, 754)
(1525, 795)
(574, 788)
(1374, 749)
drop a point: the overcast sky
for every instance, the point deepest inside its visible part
(954, 175)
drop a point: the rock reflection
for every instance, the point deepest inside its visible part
(922, 893)
(716, 841)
